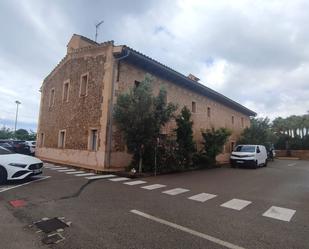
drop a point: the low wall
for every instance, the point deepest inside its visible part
(302, 154)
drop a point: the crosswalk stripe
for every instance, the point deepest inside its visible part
(75, 172)
(153, 186)
(58, 168)
(202, 197)
(100, 177)
(119, 179)
(85, 174)
(236, 204)
(280, 213)
(67, 170)
(134, 183)
(175, 191)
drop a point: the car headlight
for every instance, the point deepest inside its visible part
(20, 165)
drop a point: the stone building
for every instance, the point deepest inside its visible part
(77, 97)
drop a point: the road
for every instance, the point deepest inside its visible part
(216, 208)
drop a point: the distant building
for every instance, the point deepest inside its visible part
(75, 122)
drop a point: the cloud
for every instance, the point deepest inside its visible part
(256, 53)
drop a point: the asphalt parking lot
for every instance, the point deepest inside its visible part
(217, 208)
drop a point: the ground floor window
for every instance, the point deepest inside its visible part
(93, 140)
(41, 140)
(61, 139)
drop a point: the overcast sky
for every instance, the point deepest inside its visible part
(255, 52)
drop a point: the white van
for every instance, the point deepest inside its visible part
(249, 155)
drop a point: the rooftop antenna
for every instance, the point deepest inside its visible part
(96, 29)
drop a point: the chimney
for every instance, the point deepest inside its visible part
(193, 77)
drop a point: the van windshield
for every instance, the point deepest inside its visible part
(245, 148)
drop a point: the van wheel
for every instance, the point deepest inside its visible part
(3, 176)
(255, 166)
(265, 164)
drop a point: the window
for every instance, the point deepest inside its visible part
(232, 119)
(83, 85)
(93, 140)
(52, 97)
(208, 112)
(137, 83)
(61, 139)
(65, 94)
(193, 107)
(41, 140)
(242, 122)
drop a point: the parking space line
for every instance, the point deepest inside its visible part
(75, 172)
(100, 177)
(187, 230)
(134, 183)
(292, 164)
(119, 179)
(85, 174)
(153, 186)
(280, 213)
(23, 184)
(202, 197)
(236, 204)
(175, 191)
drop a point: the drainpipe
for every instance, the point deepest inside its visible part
(111, 109)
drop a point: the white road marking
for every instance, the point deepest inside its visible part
(52, 167)
(58, 168)
(134, 183)
(280, 213)
(67, 170)
(85, 174)
(236, 204)
(187, 230)
(100, 177)
(292, 164)
(175, 191)
(153, 186)
(20, 185)
(119, 179)
(76, 172)
(202, 197)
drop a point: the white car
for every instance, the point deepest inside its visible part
(17, 166)
(32, 145)
(249, 155)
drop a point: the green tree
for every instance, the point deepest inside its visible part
(184, 133)
(22, 134)
(259, 132)
(5, 133)
(214, 141)
(140, 116)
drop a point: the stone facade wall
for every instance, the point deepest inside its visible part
(221, 115)
(301, 154)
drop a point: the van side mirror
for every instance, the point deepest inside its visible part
(258, 151)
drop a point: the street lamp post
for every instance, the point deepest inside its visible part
(17, 104)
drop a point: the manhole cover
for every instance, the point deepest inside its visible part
(51, 225)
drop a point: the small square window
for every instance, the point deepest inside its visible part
(136, 84)
(65, 95)
(193, 106)
(83, 85)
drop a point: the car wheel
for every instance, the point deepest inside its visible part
(3, 175)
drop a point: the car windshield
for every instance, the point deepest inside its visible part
(4, 151)
(245, 148)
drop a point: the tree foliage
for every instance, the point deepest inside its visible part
(140, 116)
(214, 141)
(184, 133)
(20, 134)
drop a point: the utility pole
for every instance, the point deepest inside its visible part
(17, 104)
(96, 30)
